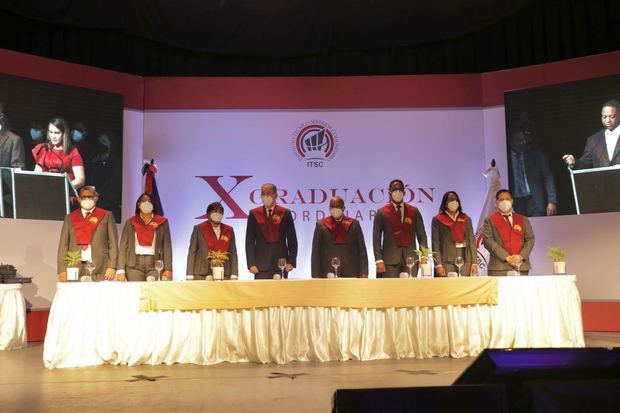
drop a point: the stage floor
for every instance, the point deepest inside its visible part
(26, 386)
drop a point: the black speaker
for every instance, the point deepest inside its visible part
(462, 399)
(551, 380)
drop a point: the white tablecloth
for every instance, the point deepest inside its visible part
(98, 323)
(12, 317)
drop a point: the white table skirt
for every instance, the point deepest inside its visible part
(99, 323)
(12, 317)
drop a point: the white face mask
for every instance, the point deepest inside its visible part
(215, 217)
(146, 207)
(267, 200)
(397, 196)
(336, 213)
(453, 206)
(87, 204)
(505, 206)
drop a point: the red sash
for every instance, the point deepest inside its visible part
(457, 228)
(338, 229)
(270, 228)
(146, 232)
(511, 237)
(403, 231)
(84, 229)
(213, 242)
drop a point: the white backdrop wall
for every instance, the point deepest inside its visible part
(432, 151)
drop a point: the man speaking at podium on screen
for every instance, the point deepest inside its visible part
(603, 148)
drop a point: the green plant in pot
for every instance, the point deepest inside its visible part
(558, 256)
(425, 257)
(73, 261)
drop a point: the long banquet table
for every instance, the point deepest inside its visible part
(204, 322)
(12, 317)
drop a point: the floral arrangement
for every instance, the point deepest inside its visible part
(217, 258)
(557, 254)
(73, 259)
(424, 253)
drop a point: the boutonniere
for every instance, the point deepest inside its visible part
(408, 220)
(460, 220)
(224, 238)
(93, 220)
(276, 218)
(517, 228)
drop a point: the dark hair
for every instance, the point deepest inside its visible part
(394, 181)
(501, 191)
(155, 206)
(614, 103)
(444, 201)
(215, 206)
(275, 188)
(62, 126)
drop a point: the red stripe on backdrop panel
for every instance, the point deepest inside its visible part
(601, 316)
(34, 67)
(494, 84)
(313, 92)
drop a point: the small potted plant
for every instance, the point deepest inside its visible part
(73, 260)
(557, 254)
(216, 261)
(425, 259)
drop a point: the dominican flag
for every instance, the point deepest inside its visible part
(494, 183)
(150, 185)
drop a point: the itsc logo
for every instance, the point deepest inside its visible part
(314, 142)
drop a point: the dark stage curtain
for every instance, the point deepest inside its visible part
(321, 37)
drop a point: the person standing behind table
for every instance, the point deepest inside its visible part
(92, 231)
(342, 237)
(508, 237)
(212, 235)
(270, 235)
(11, 146)
(603, 148)
(453, 236)
(145, 239)
(396, 228)
(58, 155)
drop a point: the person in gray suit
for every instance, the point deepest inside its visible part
(396, 228)
(603, 148)
(12, 153)
(508, 237)
(212, 235)
(91, 231)
(145, 240)
(342, 237)
(453, 236)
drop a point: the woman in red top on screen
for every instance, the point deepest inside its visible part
(58, 155)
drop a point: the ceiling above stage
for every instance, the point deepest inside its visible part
(305, 37)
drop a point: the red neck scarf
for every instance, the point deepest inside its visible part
(338, 229)
(213, 242)
(146, 232)
(403, 231)
(269, 227)
(512, 237)
(457, 228)
(85, 228)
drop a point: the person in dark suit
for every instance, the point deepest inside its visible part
(270, 236)
(453, 236)
(12, 153)
(530, 176)
(92, 231)
(145, 239)
(342, 237)
(212, 235)
(508, 237)
(603, 148)
(396, 228)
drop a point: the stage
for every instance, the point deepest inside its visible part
(27, 386)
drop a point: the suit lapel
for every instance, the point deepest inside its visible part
(615, 159)
(601, 149)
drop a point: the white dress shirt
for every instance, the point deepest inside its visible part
(611, 139)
